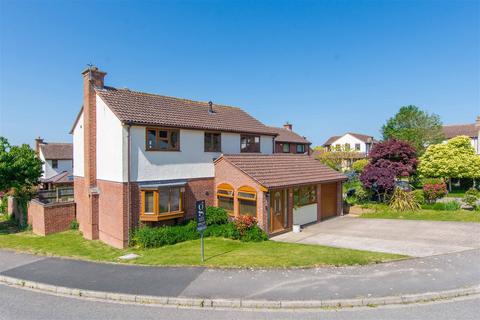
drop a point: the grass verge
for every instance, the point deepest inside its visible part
(219, 252)
(384, 212)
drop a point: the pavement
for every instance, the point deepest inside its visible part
(415, 238)
(429, 275)
(19, 304)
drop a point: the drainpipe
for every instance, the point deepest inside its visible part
(129, 213)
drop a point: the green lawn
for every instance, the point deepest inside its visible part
(383, 212)
(219, 252)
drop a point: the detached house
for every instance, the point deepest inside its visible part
(57, 159)
(287, 141)
(471, 130)
(146, 158)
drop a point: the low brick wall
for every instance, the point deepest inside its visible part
(50, 218)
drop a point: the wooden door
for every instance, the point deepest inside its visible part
(329, 200)
(277, 210)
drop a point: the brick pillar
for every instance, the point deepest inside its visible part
(339, 199)
(319, 202)
(92, 78)
(290, 207)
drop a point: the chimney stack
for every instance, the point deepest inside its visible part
(93, 79)
(288, 126)
(38, 142)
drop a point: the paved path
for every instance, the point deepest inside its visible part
(431, 274)
(416, 238)
(19, 304)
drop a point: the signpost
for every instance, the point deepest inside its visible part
(201, 223)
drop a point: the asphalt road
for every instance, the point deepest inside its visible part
(22, 304)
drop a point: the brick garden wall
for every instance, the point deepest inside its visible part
(50, 218)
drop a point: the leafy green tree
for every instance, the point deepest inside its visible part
(454, 159)
(416, 126)
(335, 158)
(359, 165)
(19, 166)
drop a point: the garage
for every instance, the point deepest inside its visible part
(329, 200)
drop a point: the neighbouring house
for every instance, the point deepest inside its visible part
(471, 130)
(57, 159)
(287, 141)
(144, 158)
(350, 147)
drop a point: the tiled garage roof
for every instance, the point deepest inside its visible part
(285, 135)
(58, 151)
(283, 170)
(152, 109)
(452, 131)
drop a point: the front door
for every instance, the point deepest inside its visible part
(277, 211)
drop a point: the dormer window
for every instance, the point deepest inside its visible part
(159, 139)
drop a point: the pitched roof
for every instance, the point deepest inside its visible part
(151, 109)
(58, 151)
(285, 135)
(362, 137)
(451, 131)
(282, 170)
(62, 177)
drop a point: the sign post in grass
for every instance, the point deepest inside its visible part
(201, 224)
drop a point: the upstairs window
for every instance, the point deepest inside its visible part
(54, 164)
(286, 148)
(213, 142)
(347, 146)
(300, 148)
(357, 146)
(249, 143)
(158, 139)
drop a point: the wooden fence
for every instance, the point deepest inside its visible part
(57, 195)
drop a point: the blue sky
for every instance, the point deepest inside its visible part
(325, 66)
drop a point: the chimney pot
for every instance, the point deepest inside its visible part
(95, 76)
(288, 126)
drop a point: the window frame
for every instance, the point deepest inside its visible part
(156, 215)
(250, 191)
(212, 133)
(247, 136)
(54, 163)
(157, 138)
(357, 147)
(230, 194)
(308, 192)
(300, 145)
(283, 147)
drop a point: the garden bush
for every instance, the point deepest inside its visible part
(74, 225)
(359, 165)
(443, 206)
(403, 201)
(435, 191)
(363, 195)
(243, 228)
(419, 196)
(471, 197)
(216, 216)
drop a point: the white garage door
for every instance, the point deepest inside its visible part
(305, 214)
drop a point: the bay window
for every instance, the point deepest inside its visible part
(161, 204)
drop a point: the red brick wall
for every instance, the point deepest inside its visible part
(50, 218)
(80, 191)
(227, 173)
(198, 189)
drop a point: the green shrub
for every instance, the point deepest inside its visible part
(403, 201)
(362, 195)
(419, 196)
(471, 197)
(227, 230)
(443, 206)
(254, 234)
(3, 204)
(74, 225)
(151, 237)
(216, 216)
(359, 165)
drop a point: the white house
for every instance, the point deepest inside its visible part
(350, 142)
(471, 130)
(57, 158)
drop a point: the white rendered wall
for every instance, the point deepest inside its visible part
(266, 144)
(305, 214)
(347, 138)
(78, 145)
(110, 146)
(49, 171)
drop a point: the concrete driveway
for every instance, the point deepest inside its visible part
(409, 237)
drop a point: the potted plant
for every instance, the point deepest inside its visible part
(347, 203)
